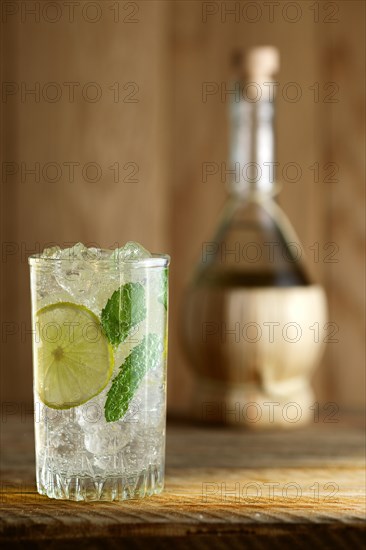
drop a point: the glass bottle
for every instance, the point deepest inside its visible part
(251, 310)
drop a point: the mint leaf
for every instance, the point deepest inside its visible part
(163, 295)
(143, 357)
(124, 309)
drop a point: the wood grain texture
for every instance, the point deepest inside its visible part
(343, 63)
(121, 127)
(169, 53)
(217, 484)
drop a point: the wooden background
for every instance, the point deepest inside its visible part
(161, 53)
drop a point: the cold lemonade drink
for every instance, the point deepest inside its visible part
(99, 361)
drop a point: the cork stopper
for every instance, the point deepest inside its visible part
(262, 62)
(259, 64)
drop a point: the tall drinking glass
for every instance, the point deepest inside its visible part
(99, 363)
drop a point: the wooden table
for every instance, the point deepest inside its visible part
(224, 488)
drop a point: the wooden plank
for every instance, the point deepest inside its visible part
(125, 125)
(342, 62)
(169, 53)
(219, 482)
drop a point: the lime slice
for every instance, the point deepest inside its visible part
(73, 358)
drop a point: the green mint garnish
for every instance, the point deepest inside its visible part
(124, 310)
(163, 295)
(143, 357)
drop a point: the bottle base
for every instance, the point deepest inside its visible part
(250, 406)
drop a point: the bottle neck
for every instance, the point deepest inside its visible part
(252, 151)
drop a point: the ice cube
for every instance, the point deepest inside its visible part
(52, 252)
(76, 273)
(155, 448)
(75, 278)
(65, 440)
(131, 252)
(107, 440)
(134, 456)
(90, 415)
(77, 252)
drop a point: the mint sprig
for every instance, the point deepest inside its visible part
(143, 357)
(124, 310)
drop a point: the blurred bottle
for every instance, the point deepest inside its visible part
(252, 316)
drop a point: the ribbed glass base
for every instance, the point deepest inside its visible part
(145, 483)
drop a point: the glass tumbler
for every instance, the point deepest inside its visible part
(99, 364)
